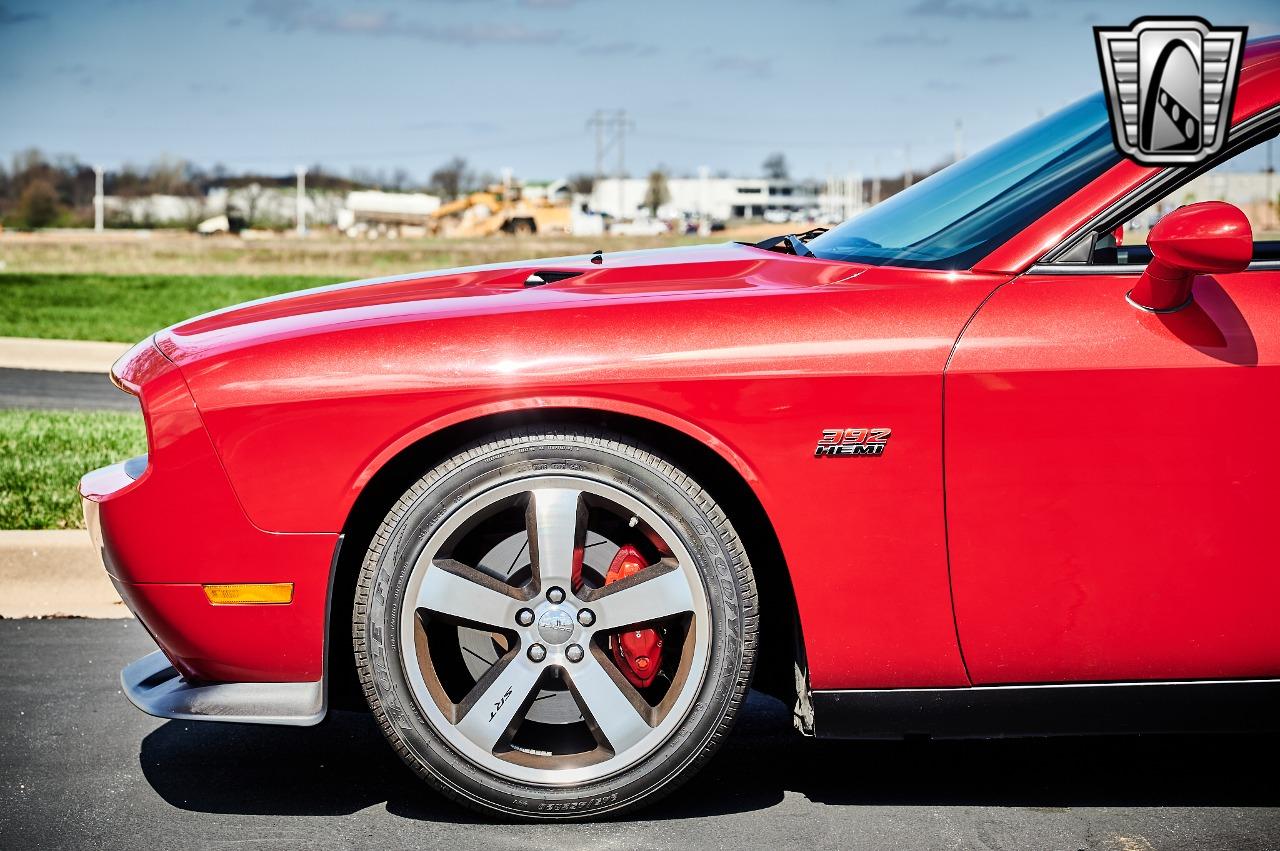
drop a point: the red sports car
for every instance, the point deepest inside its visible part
(987, 459)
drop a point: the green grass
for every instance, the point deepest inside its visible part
(124, 308)
(44, 453)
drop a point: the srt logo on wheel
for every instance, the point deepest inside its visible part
(837, 442)
(1170, 84)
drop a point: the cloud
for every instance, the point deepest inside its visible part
(619, 48)
(548, 4)
(911, 39)
(998, 10)
(10, 18)
(992, 59)
(303, 15)
(84, 78)
(943, 86)
(206, 87)
(751, 66)
(438, 125)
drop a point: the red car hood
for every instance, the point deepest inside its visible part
(657, 274)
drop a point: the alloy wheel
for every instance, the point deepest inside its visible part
(509, 629)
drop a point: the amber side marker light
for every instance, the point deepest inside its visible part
(240, 595)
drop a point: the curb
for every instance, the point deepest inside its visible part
(59, 355)
(54, 573)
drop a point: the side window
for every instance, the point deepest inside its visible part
(1246, 179)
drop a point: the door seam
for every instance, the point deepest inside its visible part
(946, 523)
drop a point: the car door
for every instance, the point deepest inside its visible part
(1113, 475)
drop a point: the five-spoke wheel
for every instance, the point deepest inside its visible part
(553, 632)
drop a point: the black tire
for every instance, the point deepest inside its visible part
(703, 530)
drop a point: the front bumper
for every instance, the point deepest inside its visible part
(168, 524)
(155, 686)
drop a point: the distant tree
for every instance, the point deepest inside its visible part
(656, 194)
(38, 206)
(167, 176)
(479, 181)
(451, 179)
(582, 183)
(250, 196)
(775, 166)
(401, 181)
(29, 164)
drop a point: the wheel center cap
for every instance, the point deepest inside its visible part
(555, 626)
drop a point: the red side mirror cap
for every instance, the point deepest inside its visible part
(1209, 238)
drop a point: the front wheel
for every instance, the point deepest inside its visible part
(555, 625)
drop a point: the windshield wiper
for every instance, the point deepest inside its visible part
(794, 242)
(798, 248)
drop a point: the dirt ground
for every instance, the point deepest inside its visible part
(132, 252)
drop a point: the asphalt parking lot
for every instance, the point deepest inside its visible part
(79, 767)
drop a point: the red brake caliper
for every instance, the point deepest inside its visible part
(637, 652)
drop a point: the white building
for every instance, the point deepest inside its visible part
(273, 206)
(720, 198)
(154, 210)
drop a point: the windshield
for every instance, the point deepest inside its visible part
(956, 217)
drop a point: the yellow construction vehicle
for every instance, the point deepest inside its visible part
(500, 209)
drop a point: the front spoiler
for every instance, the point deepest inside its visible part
(155, 687)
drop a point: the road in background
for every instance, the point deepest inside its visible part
(81, 767)
(74, 391)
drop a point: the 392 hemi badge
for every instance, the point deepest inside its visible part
(852, 441)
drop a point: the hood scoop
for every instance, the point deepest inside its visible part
(548, 276)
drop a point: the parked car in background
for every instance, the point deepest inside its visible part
(639, 227)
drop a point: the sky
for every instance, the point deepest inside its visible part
(266, 85)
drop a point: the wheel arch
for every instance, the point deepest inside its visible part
(716, 468)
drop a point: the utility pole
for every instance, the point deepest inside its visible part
(611, 132)
(598, 122)
(959, 140)
(302, 200)
(704, 174)
(875, 181)
(98, 201)
(620, 127)
(906, 166)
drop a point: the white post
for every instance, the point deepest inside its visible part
(906, 166)
(301, 213)
(98, 200)
(704, 202)
(959, 140)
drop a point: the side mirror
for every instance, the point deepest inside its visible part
(1212, 237)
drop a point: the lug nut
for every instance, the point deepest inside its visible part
(556, 595)
(524, 617)
(586, 617)
(573, 652)
(537, 652)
